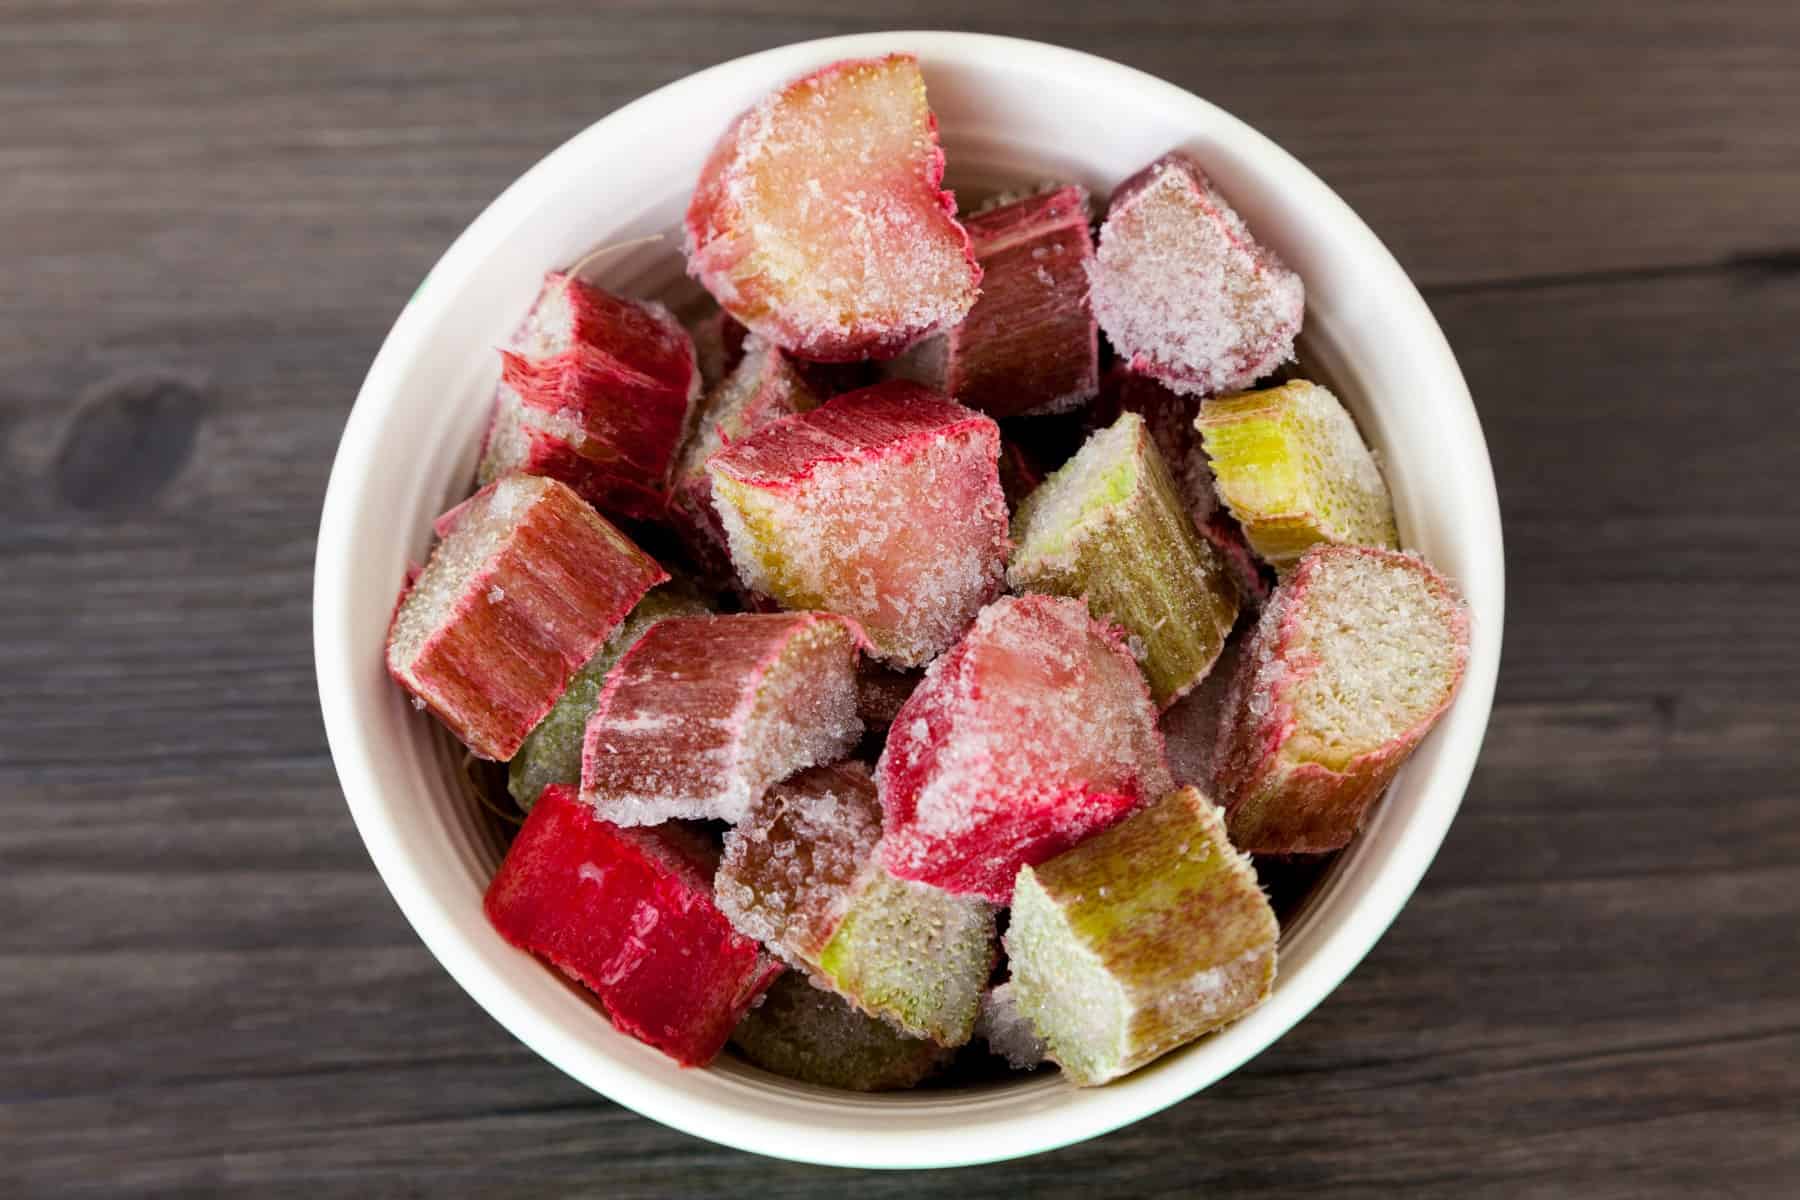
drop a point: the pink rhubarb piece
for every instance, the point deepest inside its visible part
(1183, 291)
(525, 585)
(1034, 731)
(819, 222)
(884, 505)
(704, 713)
(596, 390)
(629, 914)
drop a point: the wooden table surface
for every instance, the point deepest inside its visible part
(211, 213)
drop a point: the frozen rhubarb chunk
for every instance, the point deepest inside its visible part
(704, 713)
(1033, 732)
(1353, 660)
(1295, 472)
(1108, 526)
(552, 751)
(762, 388)
(596, 390)
(1030, 344)
(1140, 940)
(525, 585)
(800, 874)
(819, 221)
(1020, 473)
(884, 505)
(629, 914)
(1184, 293)
(803, 1032)
(1190, 726)
(1006, 1031)
(718, 347)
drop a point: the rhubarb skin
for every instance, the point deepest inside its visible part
(1184, 292)
(1190, 727)
(606, 387)
(884, 505)
(805, 1033)
(800, 874)
(761, 388)
(1295, 472)
(552, 751)
(819, 220)
(1030, 344)
(1140, 940)
(704, 713)
(526, 585)
(1035, 731)
(1354, 634)
(629, 914)
(1109, 526)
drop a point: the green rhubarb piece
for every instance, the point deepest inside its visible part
(800, 875)
(551, 753)
(804, 1032)
(1294, 471)
(1110, 526)
(1140, 939)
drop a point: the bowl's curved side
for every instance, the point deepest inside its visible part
(1009, 109)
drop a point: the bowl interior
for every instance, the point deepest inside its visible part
(1010, 113)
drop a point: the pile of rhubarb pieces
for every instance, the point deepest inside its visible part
(971, 659)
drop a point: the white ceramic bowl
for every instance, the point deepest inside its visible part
(1010, 112)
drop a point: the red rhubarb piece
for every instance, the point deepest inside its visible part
(819, 221)
(596, 390)
(763, 387)
(1184, 292)
(629, 914)
(1030, 344)
(704, 713)
(525, 585)
(1034, 731)
(1354, 659)
(884, 505)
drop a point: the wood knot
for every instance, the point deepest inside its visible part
(130, 436)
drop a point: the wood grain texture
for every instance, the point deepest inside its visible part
(214, 211)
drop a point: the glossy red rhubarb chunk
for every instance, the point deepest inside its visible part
(1030, 344)
(596, 390)
(818, 220)
(629, 914)
(1184, 292)
(525, 585)
(1033, 732)
(884, 505)
(704, 713)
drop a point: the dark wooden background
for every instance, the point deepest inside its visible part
(209, 216)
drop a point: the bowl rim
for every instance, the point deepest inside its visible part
(733, 1120)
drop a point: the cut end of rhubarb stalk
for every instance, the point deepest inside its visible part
(552, 752)
(1033, 732)
(1030, 344)
(802, 1032)
(1007, 1032)
(596, 390)
(763, 387)
(819, 220)
(704, 713)
(1354, 659)
(520, 593)
(1109, 526)
(884, 505)
(1295, 472)
(1184, 293)
(629, 914)
(799, 875)
(1140, 940)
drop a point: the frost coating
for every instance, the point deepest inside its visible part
(1183, 291)
(806, 1033)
